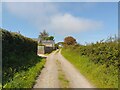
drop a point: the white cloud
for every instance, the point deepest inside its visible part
(47, 15)
(37, 13)
(70, 24)
(28, 9)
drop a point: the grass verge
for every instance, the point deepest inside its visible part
(64, 83)
(57, 51)
(99, 75)
(0, 86)
(26, 78)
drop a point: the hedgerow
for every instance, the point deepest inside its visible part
(101, 52)
(18, 53)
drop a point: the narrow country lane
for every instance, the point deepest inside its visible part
(76, 79)
(49, 75)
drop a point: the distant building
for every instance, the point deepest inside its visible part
(60, 44)
(46, 46)
(48, 43)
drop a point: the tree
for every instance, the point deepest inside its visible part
(43, 35)
(70, 41)
(51, 38)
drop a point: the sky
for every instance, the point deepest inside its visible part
(60, 0)
(85, 21)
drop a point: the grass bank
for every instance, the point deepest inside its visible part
(0, 86)
(64, 83)
(98, 75)
(26, 78)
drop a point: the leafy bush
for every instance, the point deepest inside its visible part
(102, 53)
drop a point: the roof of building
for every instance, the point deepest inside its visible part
(48, 41)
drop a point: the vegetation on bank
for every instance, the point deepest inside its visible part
(25, 79)
(63, 81)
(0, 86)
(20, 62)
(98, 62)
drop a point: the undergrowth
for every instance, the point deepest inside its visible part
(25, 78)
(98, 74)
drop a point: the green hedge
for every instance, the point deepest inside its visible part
(18, 53)
(13, 42)
(102, 53)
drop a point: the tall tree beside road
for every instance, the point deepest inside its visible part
(70, 41)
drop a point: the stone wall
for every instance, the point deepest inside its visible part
(41, 50)
(48, 49)
(44, 49)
